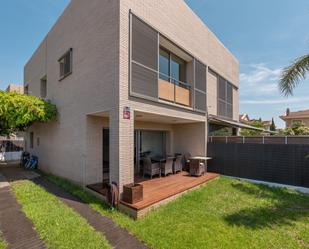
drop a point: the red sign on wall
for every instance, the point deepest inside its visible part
(126, 112)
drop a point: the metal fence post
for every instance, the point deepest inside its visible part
(286, 139)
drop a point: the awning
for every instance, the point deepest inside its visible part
(220, 121)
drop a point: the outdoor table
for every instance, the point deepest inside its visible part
(201, 159)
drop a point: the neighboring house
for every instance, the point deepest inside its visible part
(15, 88)
(129, 78)
(295, 117)
(245, 119)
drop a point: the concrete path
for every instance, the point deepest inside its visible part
(18, 231)
(116, 236)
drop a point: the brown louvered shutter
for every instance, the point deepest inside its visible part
(200, 87)
(144, 59)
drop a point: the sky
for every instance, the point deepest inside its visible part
(264, 35)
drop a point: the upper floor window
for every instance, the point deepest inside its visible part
(171, 67)
(65, 63)
(43, 87)
(225, 98)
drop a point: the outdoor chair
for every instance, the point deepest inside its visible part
(150, 168)
(167, 167)
(186, 162)
(196, 168)
(177, 167)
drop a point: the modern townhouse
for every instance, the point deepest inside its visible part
(129, 78)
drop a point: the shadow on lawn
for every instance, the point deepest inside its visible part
(283, 207)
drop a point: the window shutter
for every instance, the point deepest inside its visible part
(200, 87)
(144, 58)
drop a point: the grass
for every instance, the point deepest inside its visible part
(58, 225)
(225, 213)
(2, 242)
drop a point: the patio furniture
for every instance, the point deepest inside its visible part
(132, 193)
(167, 167)
(196, 167)
(150, 168)
(177, 167)
(186, 162)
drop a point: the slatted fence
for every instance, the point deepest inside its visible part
(271, 158)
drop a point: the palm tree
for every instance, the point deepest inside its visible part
(292, 74)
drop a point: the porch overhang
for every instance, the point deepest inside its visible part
(231, 123)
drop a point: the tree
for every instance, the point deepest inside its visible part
(292, 74)
(18, 111)
(272, 126)
(249, 132)
(297, 129)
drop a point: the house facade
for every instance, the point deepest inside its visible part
(129, 78)
(245, 119)
(291, 118)
(15, 88)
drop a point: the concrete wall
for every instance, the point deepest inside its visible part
(190, 138)
(212, 94)
(91, 29)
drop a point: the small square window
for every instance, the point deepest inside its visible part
(65, 63)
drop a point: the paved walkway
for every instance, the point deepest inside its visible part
(18, 231)
(116, 236)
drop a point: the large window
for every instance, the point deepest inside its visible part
(164, 65)
(65, 63)
(225, 98)
(172, 68)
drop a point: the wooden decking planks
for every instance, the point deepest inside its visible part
(159, 189)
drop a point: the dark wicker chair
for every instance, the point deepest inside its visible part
(196, 168)
(177, 167)
(167, 167)
(186, 162)
(150, 168)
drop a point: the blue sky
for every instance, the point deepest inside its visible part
(265, 36)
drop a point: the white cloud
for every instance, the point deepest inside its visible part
(260, 80)
(275, 101)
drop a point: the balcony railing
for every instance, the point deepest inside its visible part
(174, 90)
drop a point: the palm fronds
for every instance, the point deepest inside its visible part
(292, 74)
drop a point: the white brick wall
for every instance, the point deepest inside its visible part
(98, 32)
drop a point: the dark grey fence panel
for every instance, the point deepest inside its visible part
(280, 163)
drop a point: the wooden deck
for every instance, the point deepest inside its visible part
(158, 189)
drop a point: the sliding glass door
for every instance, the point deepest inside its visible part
(149, 143)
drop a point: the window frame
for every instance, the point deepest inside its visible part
(62, 65)
(174, 57)
(43, 94)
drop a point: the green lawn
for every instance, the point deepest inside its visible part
(225, 213)
(58, 225)
(2, 242)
